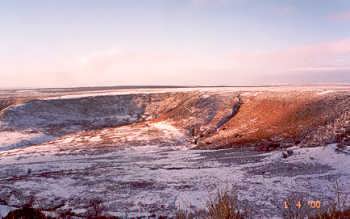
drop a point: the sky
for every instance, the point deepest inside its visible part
(68, 43)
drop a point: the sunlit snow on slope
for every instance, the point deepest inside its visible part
(10, 140)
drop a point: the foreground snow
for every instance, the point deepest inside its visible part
(157, 178)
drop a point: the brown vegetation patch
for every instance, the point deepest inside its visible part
(26, 213)
(272, 120)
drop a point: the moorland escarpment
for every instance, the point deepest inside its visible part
(265, 120)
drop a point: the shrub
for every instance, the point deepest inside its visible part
(26, 213)
(183, 214)
(224, 206)
(332, 213)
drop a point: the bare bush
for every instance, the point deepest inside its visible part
(183, 214)
(297, 207)
(95, 208)
(333, 214)
(338, 209)
(225, 205)
(26, 213)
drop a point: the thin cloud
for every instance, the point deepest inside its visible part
(320, 69)
(327, 56)
(284, 10)
(331, 60)
(209, 3)
(340, 16)
(322, 57)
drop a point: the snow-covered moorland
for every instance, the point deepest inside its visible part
(149, 153)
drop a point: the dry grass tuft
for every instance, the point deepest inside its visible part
(333, 213)
(337, 207)
(224, 206)
(183, 214)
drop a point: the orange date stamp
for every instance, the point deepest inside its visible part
(314, 204)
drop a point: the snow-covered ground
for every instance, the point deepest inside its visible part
(63, 94)
(67, 153)
(14, 139)
(157, 178)
(158, 91)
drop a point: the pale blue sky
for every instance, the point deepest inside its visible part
(206, 42)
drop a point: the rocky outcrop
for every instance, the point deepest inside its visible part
(235, 108)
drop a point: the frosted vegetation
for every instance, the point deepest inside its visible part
(150, 153)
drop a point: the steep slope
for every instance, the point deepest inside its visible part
(211, 119)
(270, 120)
(6, 102)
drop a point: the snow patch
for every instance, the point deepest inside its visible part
(168, 128)
(4, 210)
(14, 139)
(325, 92)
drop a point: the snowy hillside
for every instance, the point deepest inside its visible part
(151, 152)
